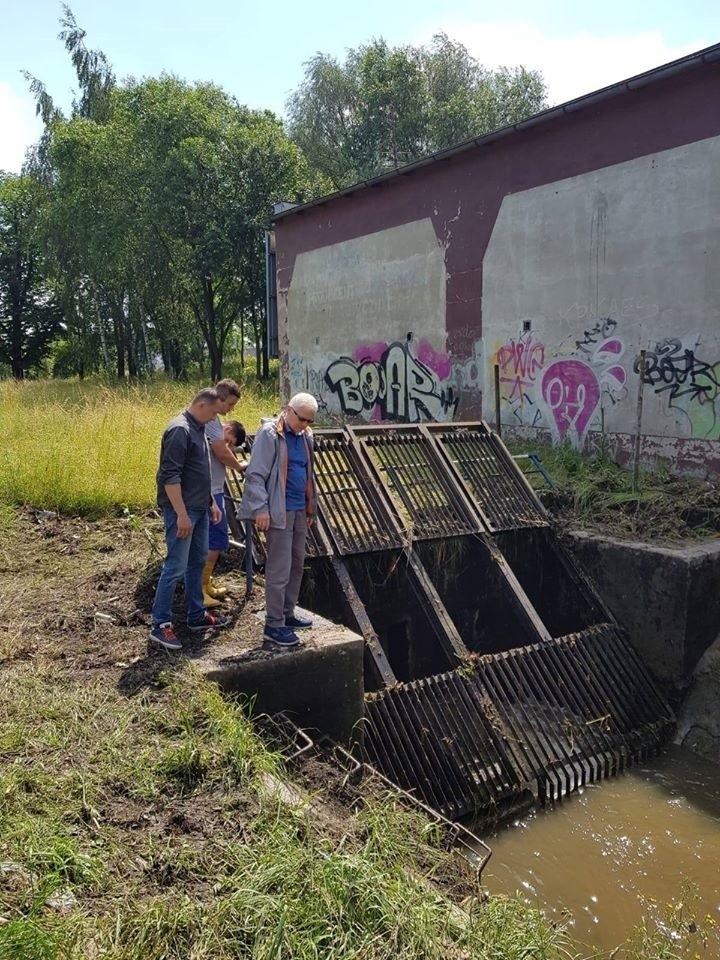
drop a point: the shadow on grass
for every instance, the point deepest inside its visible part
(153, 669)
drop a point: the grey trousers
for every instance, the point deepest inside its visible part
(284, 568)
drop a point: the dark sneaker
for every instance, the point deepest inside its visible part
(163, 635)
(282, 636)
(298, 623)
(211, 621)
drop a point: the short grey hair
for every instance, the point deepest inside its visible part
(304, 400)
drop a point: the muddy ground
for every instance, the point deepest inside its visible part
(79, 592)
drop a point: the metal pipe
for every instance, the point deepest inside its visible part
(248, 558)
(638, 423)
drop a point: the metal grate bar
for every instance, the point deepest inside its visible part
(613, 663)
(484, 744)
(520, 715)
(548, 727)
(552, 675)
(444, 761)
(347, 515)
(356, 519)
(419, 771)
(554, 716)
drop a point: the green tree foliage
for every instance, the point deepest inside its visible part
(161, 192)
(166, 202)
(29, 314)
(388, 106)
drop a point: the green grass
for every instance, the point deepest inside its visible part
(99, 859)
(89, 448)
(95, 794)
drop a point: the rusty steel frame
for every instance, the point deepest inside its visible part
(458, 836)
(500, 492)
(545, 718)
(383, 672)
(429, 599)
(409, 470)
(549, 718)
(357, 519)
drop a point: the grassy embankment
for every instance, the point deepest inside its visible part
(144, 829)
(593, 491)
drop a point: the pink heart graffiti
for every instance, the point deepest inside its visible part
(572, 392)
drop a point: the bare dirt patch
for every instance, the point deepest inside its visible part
(79, 592)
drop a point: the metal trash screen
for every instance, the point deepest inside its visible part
(497, 485)
(549, 717)
(354, 514)
(426, 495)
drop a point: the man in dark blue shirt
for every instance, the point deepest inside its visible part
(183, 488)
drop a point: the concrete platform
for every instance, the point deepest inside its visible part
(318, 684)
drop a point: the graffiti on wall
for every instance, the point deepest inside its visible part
(520, 361)
(468, 374)
(406, 381)
(690, 384)
(564, 389)
(563, 393)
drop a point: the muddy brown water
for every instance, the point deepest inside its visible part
(609, 855)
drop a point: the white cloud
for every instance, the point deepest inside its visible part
(573, 63)
(19, 127)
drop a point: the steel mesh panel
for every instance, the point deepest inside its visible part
(494, 480)
(351, 509)
(582, 706)
(423, 490)
(556, 715)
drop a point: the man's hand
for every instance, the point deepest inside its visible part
(310, 520)
(215, 513)
(184, 526)
(262, 521)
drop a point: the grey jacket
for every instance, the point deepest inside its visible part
(266, 475)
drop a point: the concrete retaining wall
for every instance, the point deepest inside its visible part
(319, 686)
(666, 598)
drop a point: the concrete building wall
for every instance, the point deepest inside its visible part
(558, 251)
(582, 274)
(366, 326)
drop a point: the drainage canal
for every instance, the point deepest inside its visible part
(496, 678)
(613, 855)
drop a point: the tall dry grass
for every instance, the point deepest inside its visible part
(89, 448)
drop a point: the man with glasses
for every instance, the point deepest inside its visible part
(280, 498)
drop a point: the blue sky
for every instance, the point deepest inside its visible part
(256, 50)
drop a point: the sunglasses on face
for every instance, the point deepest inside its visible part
(302, 419)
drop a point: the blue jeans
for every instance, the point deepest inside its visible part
(185, 558)
(218, 532)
